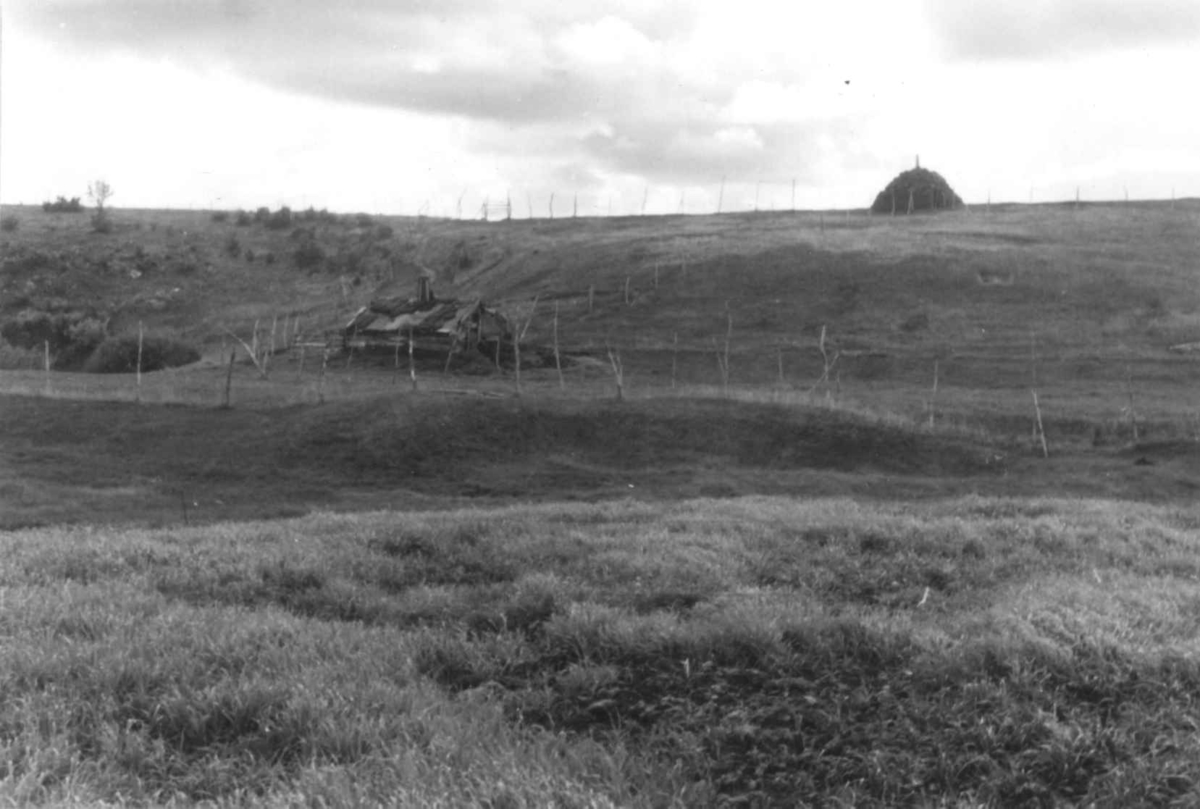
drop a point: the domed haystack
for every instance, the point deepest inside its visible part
(914, 190)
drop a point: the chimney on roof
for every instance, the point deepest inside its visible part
(424, 289)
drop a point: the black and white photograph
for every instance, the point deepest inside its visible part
(596, 404)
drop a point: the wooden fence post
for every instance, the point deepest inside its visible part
(674, 357)
(229, 378)
(933, 395)
(141, 337)
(321, 381)
(46, 364)
(412, 365)
(557, 360)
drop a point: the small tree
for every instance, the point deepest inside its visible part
(99, 193)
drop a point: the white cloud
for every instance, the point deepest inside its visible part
(373, 104)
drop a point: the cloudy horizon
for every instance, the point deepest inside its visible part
(439, 105)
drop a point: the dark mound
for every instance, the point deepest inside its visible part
(121, 355)
(927, 190)
(389, 440)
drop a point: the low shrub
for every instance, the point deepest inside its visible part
(9, 223)
(233, 248)
(220, 216)
(309, 255)
(63, 205)
(15, 358)
(262, 214)
(72, 335)
(280, 220)
(363, 220)
(243, 219)
(119, 355)
(102, 222)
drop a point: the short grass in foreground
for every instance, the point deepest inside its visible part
(758, 651)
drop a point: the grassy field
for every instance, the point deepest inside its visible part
(770, 591)
(971, 651)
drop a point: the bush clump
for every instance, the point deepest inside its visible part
(63, 205)
(102, 222)
(927, 190)
(243, 219)
(220, 216)
(119, 355)
(280, 220)
(9, 223)
(72, 335)
(309, 255)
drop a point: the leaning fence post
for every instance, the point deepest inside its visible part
(321, 382)
(557, 360)
(229, 377)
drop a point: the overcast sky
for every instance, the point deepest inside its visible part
(411, 105)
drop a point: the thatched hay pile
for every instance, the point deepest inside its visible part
(914, 190)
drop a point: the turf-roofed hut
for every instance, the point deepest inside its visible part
(915, 190)
(429, 323)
